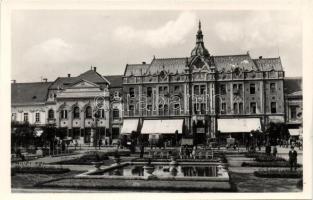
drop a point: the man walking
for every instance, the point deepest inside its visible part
(293, 159)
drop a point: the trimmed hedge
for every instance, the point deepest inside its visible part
(39, 170)
(279, 174)
(267, 164)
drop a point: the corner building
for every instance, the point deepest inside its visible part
(202, 96)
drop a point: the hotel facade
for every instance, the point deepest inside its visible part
(196, 97)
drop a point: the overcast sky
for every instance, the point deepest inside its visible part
(53, 43)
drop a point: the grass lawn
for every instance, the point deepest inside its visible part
(29, 180)
(247, 182)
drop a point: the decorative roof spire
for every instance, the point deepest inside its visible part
(199, 48)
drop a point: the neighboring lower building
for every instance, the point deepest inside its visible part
(28, 102)
(294, 106)
(78, 107)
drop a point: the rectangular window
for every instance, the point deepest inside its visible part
(253, 108)
(273, 107)
(273, 87)
(25, 117)
(223, 89)
(116, 114)
(235, 108)
(240, 108)
(37, 117)
(252, 88)
(131, 110)
(176, 88)
(202, 89)
(203, 108)
(196, 90)
(293, 112)
(132, 92)
(223, 108)
(235, 89)
(160, 90)
(149, 91)
(196, 108)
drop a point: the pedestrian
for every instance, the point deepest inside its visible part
(142, 149)
(274, 151)
(194, 152)
(100, 143)
(293, 158)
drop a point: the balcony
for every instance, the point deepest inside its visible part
(51, 121)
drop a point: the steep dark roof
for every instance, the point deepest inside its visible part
(268, 64)
(170, 65)
(115, 80)
(29, 93)
(229, 62)
(63, 82)
(92, 76)
(135, 69)
(293, 85)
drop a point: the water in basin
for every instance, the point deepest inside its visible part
(135, 170)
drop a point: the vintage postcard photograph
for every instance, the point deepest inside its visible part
(176, 100)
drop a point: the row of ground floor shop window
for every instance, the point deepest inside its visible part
(169, 132)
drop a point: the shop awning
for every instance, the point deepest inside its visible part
(242, 125)
(294, 132)
(129, 125)
(168, 126)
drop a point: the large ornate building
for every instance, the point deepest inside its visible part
(201, 95)
(197, 97)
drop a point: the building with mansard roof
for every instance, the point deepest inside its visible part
(196, 97)
(83, 108)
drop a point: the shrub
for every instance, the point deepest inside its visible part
(278, 174)
(38, 170)
(267, 164)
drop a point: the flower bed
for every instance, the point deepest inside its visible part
(86, 159)
(267, 164)
(278, 174)
(255, 154)
(39, 170)
(266, 158)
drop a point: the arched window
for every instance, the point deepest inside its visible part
(88, 112)
(51, 114)
(76, 112)
(63, 114)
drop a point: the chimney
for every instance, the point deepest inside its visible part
(13, 81)
(143, 63)
(68, 75)
(95, 69)
(260, 57)
(45, 80)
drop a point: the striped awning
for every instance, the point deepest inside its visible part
(239, 125)
(168, 126)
